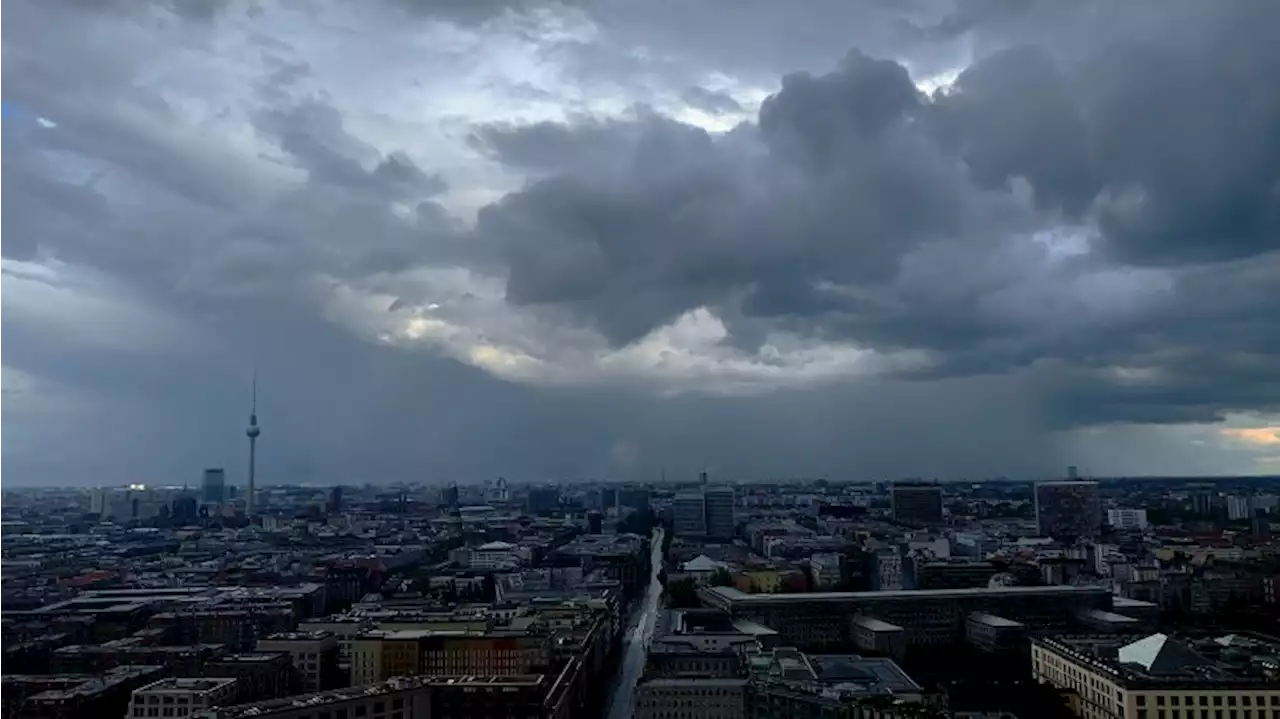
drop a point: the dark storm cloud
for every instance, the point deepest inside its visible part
(852, 208)
(874, 213)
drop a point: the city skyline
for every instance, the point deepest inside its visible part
(546, 239)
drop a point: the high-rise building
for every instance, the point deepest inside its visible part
(214, 485)
(543, 500)
(1068, 510)
(595, 522)
(449, 496)
(98, 502)
(916, 502)
(335, 500)
(719, 503)
(1239, 507)
(689, 514)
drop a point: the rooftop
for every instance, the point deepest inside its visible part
(832, 675)
(1161, 660)
(875, 625)
(301, 636)
(392, 686)
(992, 620)
(735, 596)
(170, 684)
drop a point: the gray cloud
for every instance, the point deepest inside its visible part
(713, 101)
(874, 213)
(1081, 231)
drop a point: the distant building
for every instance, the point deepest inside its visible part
(595, 522)
(637, 499)
(543, 500)
(214, 485)
(689, 514)
(449, 496)
(335, 501)
(1068, 510)
(916, 502)
(1239, 507)
(1127, 518)
(719, 502)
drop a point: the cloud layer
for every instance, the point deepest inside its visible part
(470, 238)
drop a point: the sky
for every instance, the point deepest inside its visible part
(608, 239)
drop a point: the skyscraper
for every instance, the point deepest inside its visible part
(214, 485)
(1068, 510)
(252, 433)
(689, 514)
(719, 502)
(916, 502)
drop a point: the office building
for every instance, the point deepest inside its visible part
(379, 655)
(916, 502)
(314, 656)
(543, 500)
(1067, 511)
(720, 521)
(686, 698)
(534, 696)
(818, 620)
(214, 486)
(175, 698)
(689, 514)
(633, 498)
(787, 683)
(1239, 507)
(1127, 519)
(953, 574)
(1161, 676)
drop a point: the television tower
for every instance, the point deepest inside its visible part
(252, 433)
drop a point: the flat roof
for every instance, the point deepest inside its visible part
(1130, 603)
(1110, 617)
(736, 596)
(992, 620)
(876, 625)
(186, 684)
(678, 682)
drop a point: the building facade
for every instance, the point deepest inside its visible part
(1159, 677)
(689, 514)
(720, 508)
(1067, 511)
(916, 502)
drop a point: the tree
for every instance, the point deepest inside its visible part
(682, 594)
(721, 578)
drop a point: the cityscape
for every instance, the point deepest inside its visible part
(1067, 597)
(631, 359)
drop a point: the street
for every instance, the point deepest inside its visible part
(636, 643)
